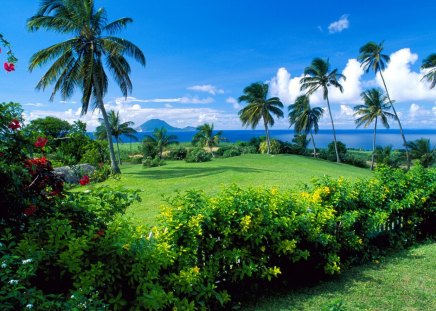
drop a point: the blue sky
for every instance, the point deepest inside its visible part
(201, 54)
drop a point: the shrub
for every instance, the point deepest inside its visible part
(274, 147)
(136, 159)
(330, 153)
(149, 162)
(177, 153)
(198, 155)
(354, 160)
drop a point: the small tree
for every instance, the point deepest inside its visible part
(205, 137)
(159, 140)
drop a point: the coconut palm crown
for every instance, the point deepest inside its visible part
(318, 76)
(259, 107)
(117, 128)
(205, 137)
(375, 106)
(84, 61)
(429, 64)
(371, 58)
(304, 118)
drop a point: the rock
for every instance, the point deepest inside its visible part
(72, 174)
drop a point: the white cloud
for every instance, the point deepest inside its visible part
(288, 89)
(206, 88)
(285, 87)
(346, 110)
(182, 100)
(234, 102)
(339, 25)
(196, 100)
(35, 104)
(352, 84)
(404, 84)
(168, 106)
(67, 102)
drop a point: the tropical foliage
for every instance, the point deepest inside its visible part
(371, 58)
(421, 149)
(375, 106)
(429, 65)
(205, 137)
(117, 129)
(259, 107)
(318, 76)
(160, 140)
(305, 118)
(82, 61)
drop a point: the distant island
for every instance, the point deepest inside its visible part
(152, 124)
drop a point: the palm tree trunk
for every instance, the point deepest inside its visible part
(313, 142)
(118, 148)
(334, 132)
(398, 120)
(114, 165)
(267, 137)
(373, 145)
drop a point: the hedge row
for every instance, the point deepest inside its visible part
(79, 253)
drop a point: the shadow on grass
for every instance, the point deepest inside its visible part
(292, 292)
(192, 172)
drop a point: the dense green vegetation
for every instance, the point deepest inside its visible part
(282, 171)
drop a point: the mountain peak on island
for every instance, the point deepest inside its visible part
(152, 124)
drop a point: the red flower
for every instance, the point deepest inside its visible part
(84, 180)
(100, 232)
(15, 124)
(9, 66)
(41, 142)
(30, 210)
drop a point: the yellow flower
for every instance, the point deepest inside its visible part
(245, 222)
(126, 247)
(326, 190)
(274, 191)
(196, 269)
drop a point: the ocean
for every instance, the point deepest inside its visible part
(358, 139)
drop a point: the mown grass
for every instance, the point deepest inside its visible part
(403, 281)
(282, 171)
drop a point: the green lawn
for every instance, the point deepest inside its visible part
(404, 281)
(283, 171)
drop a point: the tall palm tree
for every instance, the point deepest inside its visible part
(318, 76)
(260, 107)
(371, 58)
(375, 105)
(83, 61)
(116, 129)
(430, 64)
(305, 118)
(421, 149)
(160, 140)
(205, 137)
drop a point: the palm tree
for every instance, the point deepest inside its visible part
(259, 107)
(116, 129)
(206, 138)
(318, 75)
(82, 61)
(160, 140)
(421, 149)
(430, 64)
(371, 57)
(375, 106)
(304, 118)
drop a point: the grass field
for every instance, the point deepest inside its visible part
(403, 281)
(282, 171)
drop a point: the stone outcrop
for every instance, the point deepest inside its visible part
(72, 174)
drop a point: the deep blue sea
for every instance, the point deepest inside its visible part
(359, 139)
